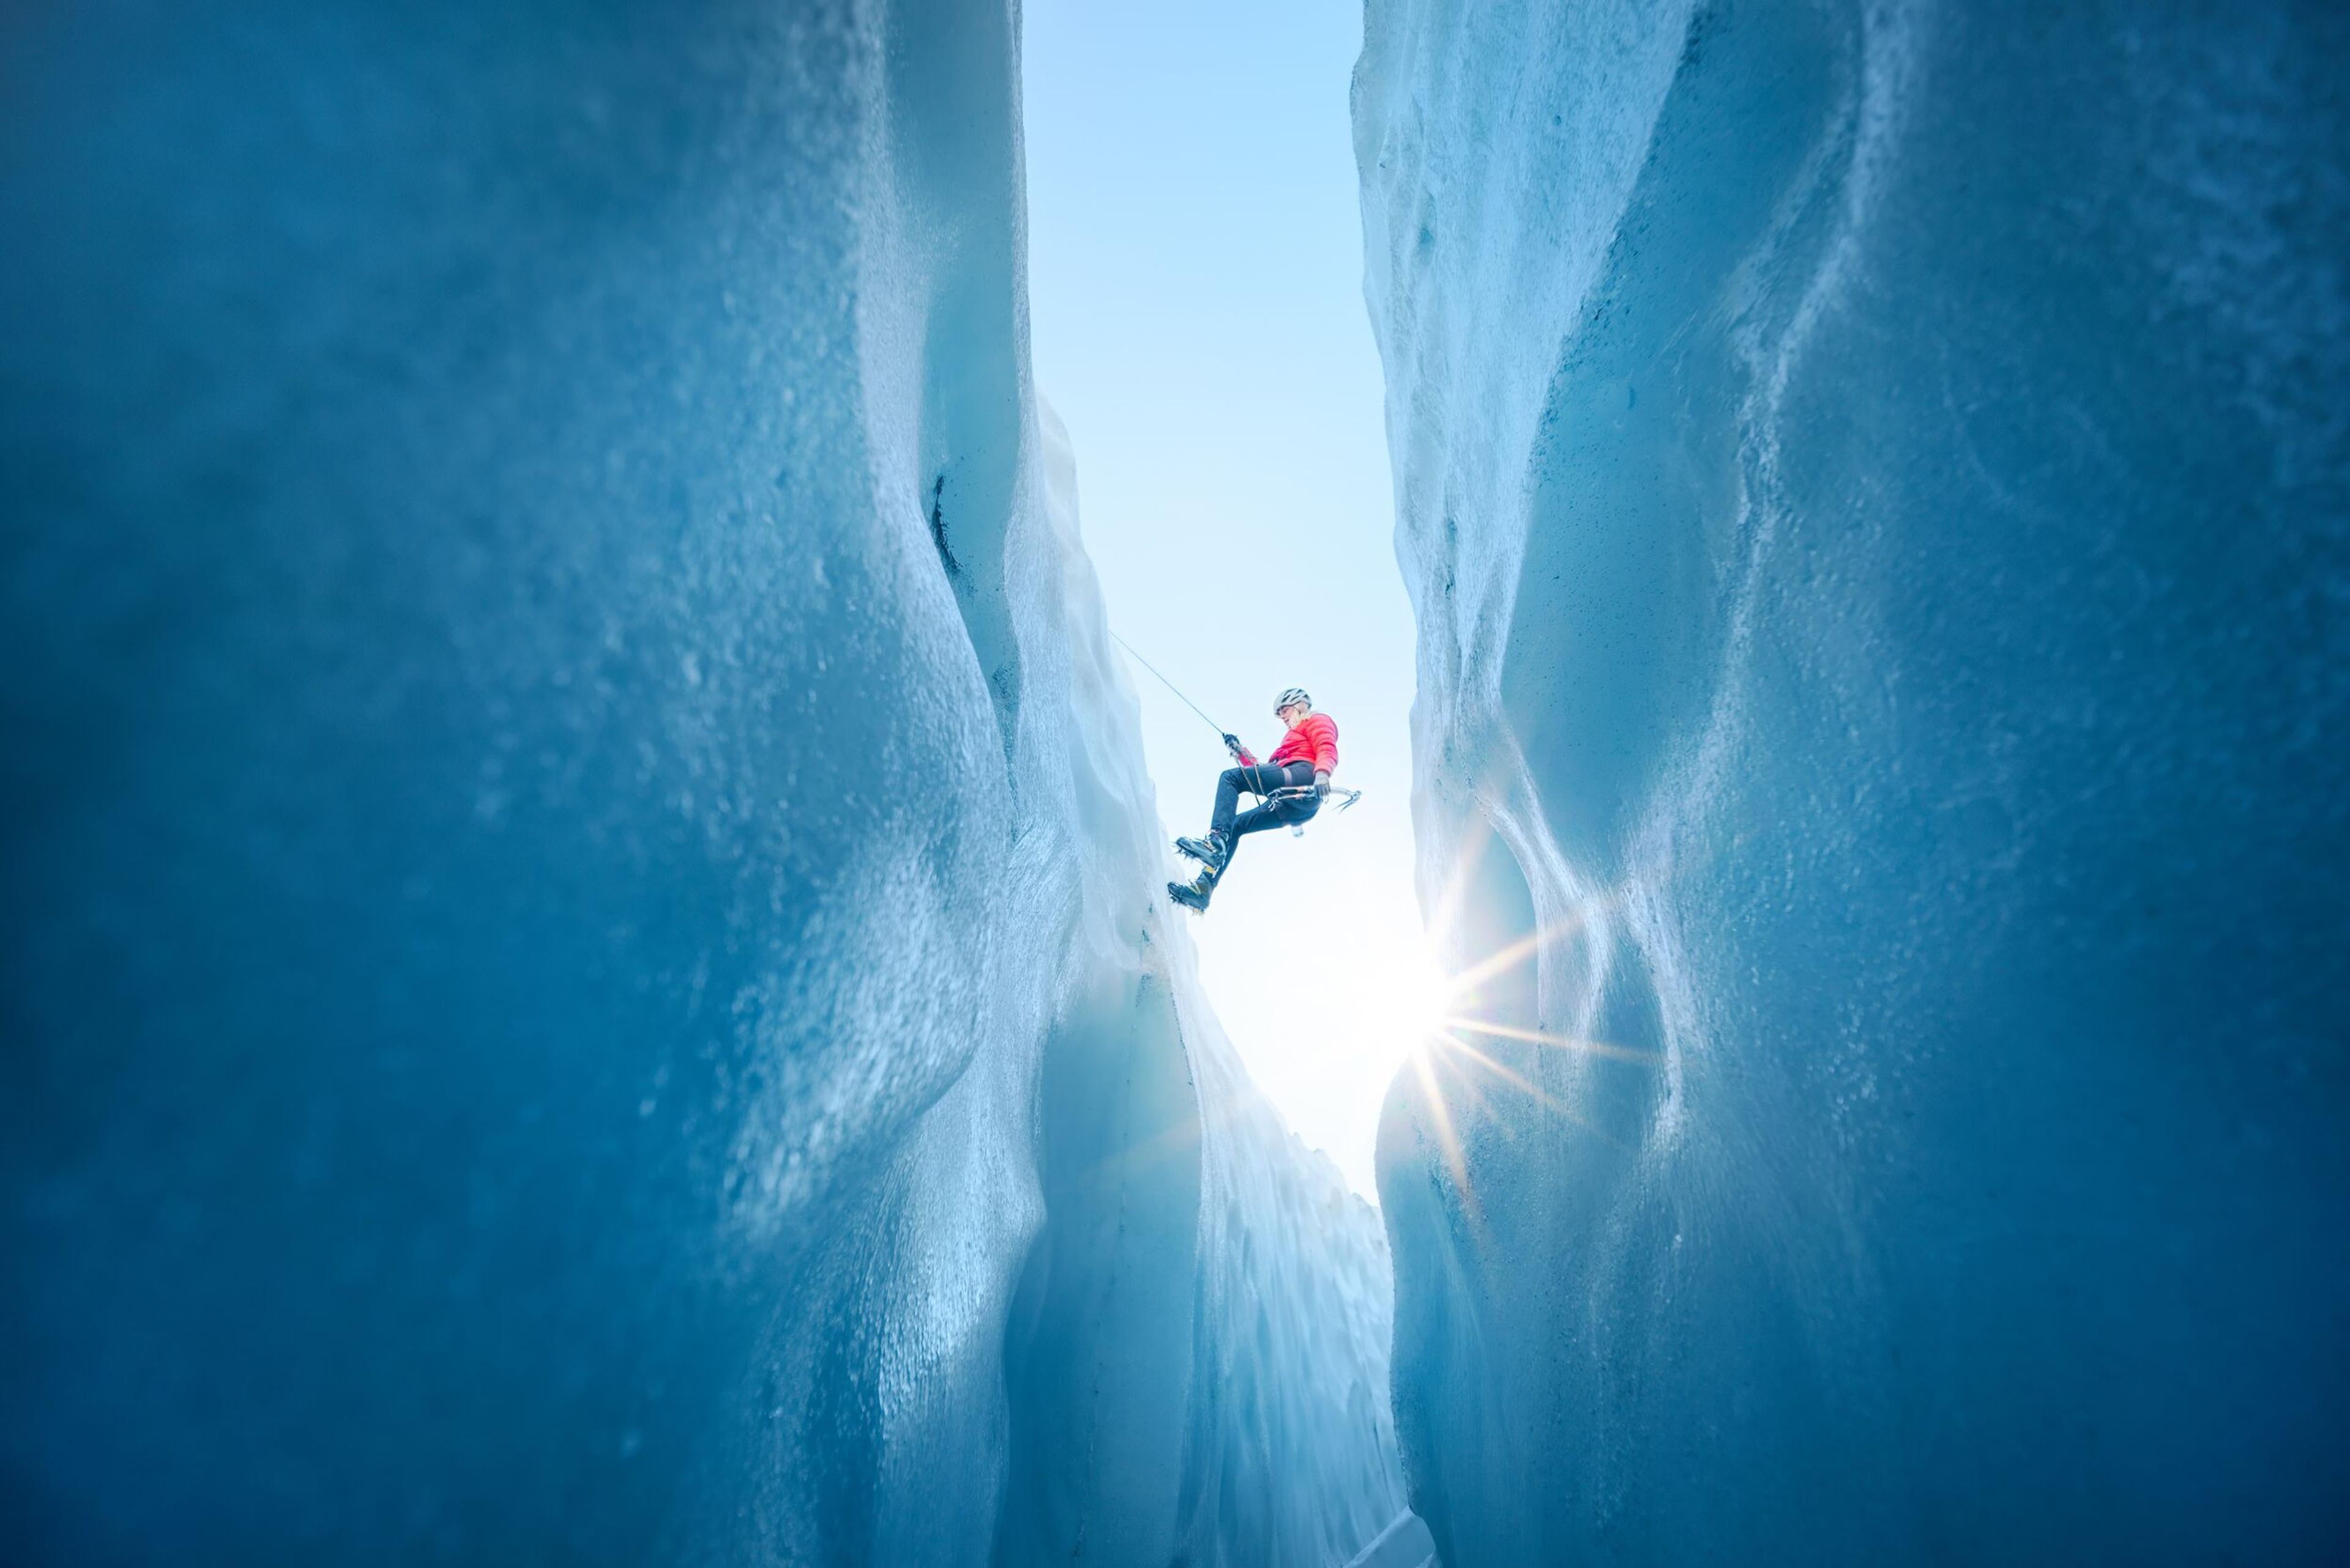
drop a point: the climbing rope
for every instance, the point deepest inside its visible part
(1289, 795)
(1221, 731)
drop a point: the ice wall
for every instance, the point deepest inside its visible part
(1871, 483)
(578, 878)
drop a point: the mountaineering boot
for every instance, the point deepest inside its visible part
(1193, 895)
(1212, 851)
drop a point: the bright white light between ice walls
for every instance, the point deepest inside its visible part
(1320, 973)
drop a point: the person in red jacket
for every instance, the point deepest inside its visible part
(1293, 782)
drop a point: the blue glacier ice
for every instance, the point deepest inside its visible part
(1873, 481)
(583, 978)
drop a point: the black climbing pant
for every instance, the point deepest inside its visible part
(1260, 779)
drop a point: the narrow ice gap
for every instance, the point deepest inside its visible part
(587, 978)
(1196, 319)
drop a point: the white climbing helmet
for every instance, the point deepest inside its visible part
(1294, 696)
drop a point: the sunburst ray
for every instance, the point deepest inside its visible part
(1556, 1042)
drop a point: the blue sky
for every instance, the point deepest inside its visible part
(1195, 285)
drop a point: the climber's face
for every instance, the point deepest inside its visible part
(1293, 715)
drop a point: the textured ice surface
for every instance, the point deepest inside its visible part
(1872, 482)
(580, 971)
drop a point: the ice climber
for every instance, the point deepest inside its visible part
(1292, 784)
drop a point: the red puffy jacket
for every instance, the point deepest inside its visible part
(1313, 739)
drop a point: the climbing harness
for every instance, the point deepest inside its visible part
(1288, 792)
(1285, 795)
(1344, 797)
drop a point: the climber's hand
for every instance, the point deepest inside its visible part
(1321, 787)
(1233, 745)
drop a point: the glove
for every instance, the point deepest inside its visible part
(1321, 787)
(1233, 745)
